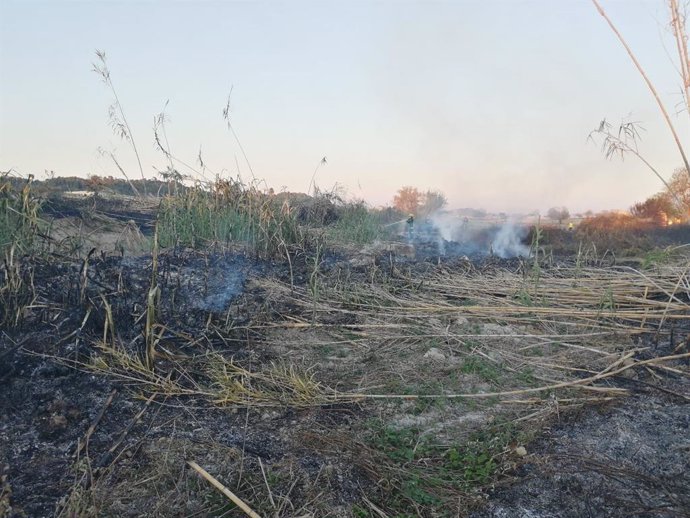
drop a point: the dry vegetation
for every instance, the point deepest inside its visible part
(257, 358)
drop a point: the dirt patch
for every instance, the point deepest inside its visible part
(632, 459)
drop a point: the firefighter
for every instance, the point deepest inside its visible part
(410, 226)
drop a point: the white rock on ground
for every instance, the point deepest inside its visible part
(461, 321)
(434, 354)
(496, 329)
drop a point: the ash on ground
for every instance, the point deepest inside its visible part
(632, 459)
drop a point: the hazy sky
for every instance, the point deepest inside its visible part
(488, 101)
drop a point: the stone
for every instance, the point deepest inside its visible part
(461, 321)
(434, 354)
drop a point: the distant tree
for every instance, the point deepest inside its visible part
(408, 200)
(658, 208)
(673, 202)
(679, 190)
(558, 214)
(431, 202)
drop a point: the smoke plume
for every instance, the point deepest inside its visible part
(474, 237)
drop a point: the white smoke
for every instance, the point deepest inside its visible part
(446, 223)
(508, 241)
(472, 236)
(447, 227)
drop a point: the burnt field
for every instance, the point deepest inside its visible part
(225, 352)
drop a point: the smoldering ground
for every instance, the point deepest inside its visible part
(451, 235)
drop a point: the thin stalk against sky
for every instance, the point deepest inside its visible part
(649, 84)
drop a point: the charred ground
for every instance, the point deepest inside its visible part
(332, 377)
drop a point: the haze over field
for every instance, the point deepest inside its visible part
(489, 102)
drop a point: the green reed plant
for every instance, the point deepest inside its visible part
(356, 224)
(225, 212)
(17, 290)
(19, 214)
(19, 225)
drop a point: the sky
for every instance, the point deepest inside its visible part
(490, 102)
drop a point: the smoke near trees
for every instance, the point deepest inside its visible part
(673, 202)
(411, 200)
(432, 201)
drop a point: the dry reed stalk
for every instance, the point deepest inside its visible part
(582, 318)
(220, 487)
(578, 400)
(268, 487)
(152, 304)
(116, 114)
(649, 83)
(681, 36)
(109, 324)
(580, 384)
(374, 508)
(217, 380)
